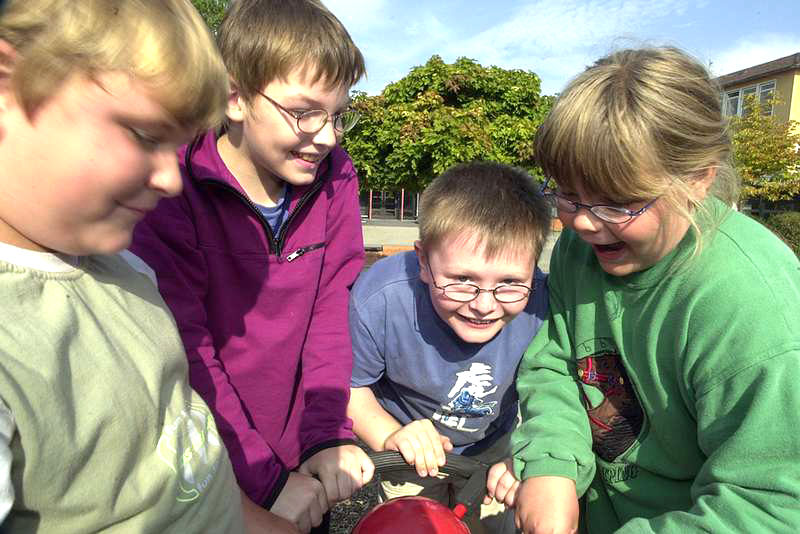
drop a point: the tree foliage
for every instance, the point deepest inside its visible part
(766, 153)
(441, 114)
(211, 11)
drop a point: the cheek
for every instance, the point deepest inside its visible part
(565, 218)
(514, 309)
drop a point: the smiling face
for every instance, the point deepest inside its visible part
(267, 141)
(86, 166)
(461, 258)
(633, 246)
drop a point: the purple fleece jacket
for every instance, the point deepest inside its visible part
(263, 318)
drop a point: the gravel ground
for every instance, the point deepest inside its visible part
(346, 514)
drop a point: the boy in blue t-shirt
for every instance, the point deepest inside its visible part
(438, 333)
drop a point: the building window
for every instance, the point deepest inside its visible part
(734, 102)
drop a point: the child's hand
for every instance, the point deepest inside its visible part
(547, 504)
(342, 470)
(302, 501)
(501, 484)
(260, 521)
(421, 446)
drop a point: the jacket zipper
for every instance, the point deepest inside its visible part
(276, 244)
(300, 251)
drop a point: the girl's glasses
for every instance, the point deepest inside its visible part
(609, 214)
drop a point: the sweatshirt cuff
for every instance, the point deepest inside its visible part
(308, 453)
(546, 467)
(276, 490)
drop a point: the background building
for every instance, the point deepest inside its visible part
(780, 76)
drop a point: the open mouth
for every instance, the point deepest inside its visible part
(611, 247)
(310, 158)
(477, 322)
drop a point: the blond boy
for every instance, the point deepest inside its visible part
(438, 332)
(99, 429)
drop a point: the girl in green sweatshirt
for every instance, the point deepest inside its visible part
(663, 387)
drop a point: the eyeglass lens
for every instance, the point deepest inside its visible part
(607, 213)
(468, 292)
(314, 120)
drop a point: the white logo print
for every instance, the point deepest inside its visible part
(190, 446)
(466, 398)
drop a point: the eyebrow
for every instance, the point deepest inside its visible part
(303, 100)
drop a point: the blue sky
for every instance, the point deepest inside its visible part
(558, 39)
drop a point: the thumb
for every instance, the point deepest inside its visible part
(367, 469)
(304, 469)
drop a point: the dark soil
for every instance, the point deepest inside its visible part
(346, 514)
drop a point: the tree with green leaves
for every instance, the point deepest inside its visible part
(441, 114)
(766, 153)
(211, 11)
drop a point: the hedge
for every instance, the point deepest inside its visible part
(787, 226)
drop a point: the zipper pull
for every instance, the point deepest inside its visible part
(302, 250)
(296, 254)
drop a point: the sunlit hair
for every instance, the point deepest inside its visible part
(162, 43)
(266, 40)
(498, 204)
(637, 125)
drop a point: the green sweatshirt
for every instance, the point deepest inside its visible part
(109, 436)
(687, 372)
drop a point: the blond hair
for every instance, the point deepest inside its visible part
(163, 43)
(266, 40)
(498, 204)
(637, 125)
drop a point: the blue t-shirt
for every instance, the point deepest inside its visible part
(276, 215)
(419, 368)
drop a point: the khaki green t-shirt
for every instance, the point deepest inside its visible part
(109, 436)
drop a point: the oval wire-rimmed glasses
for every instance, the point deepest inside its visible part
(313, 120)
(466, 292)
(604, 212)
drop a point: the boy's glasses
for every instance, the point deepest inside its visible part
(313, 120)
(465, 292)
(609, 214)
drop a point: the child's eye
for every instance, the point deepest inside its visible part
(146, 141)
(566, 194)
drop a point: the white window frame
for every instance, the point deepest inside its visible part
(733, 101)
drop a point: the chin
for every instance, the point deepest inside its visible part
(474, 335)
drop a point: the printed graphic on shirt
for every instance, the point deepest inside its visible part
(467, 398)
(190, 446)
(618, 419)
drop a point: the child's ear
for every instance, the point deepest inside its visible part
(703, 183)
(423, 264)
(235, 110)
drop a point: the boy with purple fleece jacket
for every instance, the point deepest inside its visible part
(256, 257)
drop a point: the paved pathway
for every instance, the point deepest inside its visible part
(394, 236)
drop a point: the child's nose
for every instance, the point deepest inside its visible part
(484, 303)
(584, 220)
(166, 177)
(327, 135)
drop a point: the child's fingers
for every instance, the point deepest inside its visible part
(367, 469)
(319, 507)
(504, 488)
(493, 476)
(447, 445)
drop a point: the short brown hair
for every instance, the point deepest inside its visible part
(163, 43)
(640, 124)
(265, 40)
(499, 204)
